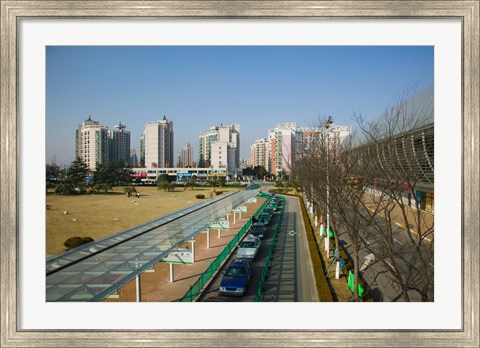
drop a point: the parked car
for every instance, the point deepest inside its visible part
(273, 206)
(248, 248)
(268, 210)
(236, 278)
(258, 229)
(265, 218)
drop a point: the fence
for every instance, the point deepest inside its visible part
(258, 296)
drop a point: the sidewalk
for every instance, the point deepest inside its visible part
(156, 286)
(426, 219)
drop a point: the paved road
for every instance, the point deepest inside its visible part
(383, 288)
(291, 277)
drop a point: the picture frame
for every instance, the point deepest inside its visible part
(13, 11)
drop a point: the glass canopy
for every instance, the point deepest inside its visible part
(93, 271)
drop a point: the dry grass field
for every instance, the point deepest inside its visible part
(100, 215)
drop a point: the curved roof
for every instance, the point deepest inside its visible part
(419, 106)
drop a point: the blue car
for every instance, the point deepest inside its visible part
(236, 278)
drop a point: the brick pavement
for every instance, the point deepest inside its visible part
(156, 286)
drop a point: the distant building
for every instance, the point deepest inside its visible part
(284, 143)
(158, 144)
(119, 147)
(185, 156)
(133, 158)
(283, 147)
(219, 148)
(205, 145)
(91, 143)
(313, 136)
(259, 153)
(142, 151)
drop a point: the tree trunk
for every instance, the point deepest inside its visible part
(355, 272)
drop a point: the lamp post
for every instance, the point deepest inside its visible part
(328, 122)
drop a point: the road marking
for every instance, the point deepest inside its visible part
(404, 227)
(368, 260)
(292, 233)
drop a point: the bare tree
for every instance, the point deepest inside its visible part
(394, 144)
(371, 188)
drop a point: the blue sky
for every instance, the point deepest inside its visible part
(202, 86)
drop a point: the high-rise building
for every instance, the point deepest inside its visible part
(185, 156)
(205, 146)
(259, 153)
(133, 158)
(142, 151)
(158, 143)
(282, 146)
(219, 148)
(119, 140)
(91, 143)
(286, 142)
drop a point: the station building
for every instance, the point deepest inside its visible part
(410, 153)
(148, 176)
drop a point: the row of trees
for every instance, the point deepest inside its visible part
(79, 179)
(367, 179)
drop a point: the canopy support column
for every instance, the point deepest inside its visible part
(138, 288)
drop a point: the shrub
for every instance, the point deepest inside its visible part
(280, 191)
(200, 196)
(86, 240)
(218, 192)
(73, 242)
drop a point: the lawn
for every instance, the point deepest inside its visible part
(101, 215)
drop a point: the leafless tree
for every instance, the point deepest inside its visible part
(371, 187)
(390, 145)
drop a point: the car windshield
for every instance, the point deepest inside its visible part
(257, 228)
(247, 245)
(235, 272)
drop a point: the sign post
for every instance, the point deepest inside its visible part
(193, 250)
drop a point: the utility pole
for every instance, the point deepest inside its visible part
(328, 122)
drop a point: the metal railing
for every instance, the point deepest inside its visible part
(266, 268)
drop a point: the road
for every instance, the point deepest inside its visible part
(291, 277)
(291, 274)
(383, 288)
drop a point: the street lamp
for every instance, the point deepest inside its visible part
(328, 122)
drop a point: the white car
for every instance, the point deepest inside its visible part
(248, 248)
